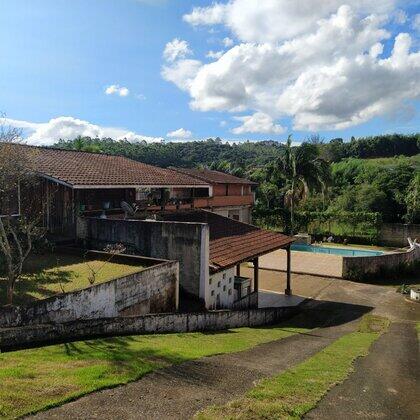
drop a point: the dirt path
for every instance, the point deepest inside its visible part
(385, 384)
(178, 392)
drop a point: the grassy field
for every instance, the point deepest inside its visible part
(48, 274)
(298, 390)
(33, 380)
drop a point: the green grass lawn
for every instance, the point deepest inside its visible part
(293, 393)
(32, 380)
(48, 274)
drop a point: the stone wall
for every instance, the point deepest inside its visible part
(396, 234)
(357, 268)
(150, 290)
(187, 243)
(15, 338)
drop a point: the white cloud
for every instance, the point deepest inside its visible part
(258, 123)
(228, 42)
(176, 49)
(400, 17)
(207, 15)
(181, 133)
(68, 128)
(215, 54)
(181, 73)
(117, 90)
(326, 72)
(276, 20)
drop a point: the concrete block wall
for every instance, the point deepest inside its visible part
(154, 289)
(187, 243)
(359, 267)
(396, 234)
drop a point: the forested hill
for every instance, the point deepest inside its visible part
(245, 155)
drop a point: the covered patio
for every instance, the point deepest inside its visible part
(233, 244)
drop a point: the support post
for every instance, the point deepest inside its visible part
(288, 290)
(256, 274)
(238, 270)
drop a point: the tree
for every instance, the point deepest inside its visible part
(304, 172)
(17, 230)
(412, 200)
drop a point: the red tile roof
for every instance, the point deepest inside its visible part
(232, 242)
(85, 169)
(214, 177)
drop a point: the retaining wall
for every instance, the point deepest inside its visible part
(396, 234)
(15, 338)
(360, 267)
(150, 290)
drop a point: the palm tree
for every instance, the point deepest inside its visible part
(304, 171)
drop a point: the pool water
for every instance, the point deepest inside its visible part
(344, 252)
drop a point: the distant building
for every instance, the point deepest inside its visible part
(229, 195)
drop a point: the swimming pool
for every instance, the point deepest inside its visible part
(344, 252)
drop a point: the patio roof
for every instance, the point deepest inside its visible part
(84, 170)
(232, 242)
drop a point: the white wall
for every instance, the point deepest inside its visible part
(221, 284)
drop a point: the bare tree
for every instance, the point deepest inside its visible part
(20, 214)
(112, 250)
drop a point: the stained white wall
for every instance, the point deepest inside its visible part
(221, 284)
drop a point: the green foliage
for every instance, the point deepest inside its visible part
(355, 224)
(33, 380)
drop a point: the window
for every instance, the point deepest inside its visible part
(230, 292)
(212, 292)
(224, 288)
(230, 279)
(210, 280)
(224, 276)
(218, 284)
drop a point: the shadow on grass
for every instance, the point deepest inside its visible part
(32, 287)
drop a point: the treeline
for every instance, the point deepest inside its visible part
(372, 147)
(245, 154)
(185, 154)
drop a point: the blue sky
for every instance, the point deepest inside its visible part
(58, 57)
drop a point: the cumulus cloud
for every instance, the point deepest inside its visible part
(276, 20)
(258, 123)
(117, 90)
(228, 42)
(215, 54)
(182, 73)
(68, 128)
(181, 133)
(326, 71)
(176, 49)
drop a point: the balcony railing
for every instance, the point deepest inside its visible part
(222, 201)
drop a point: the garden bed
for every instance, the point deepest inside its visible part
(49, 274)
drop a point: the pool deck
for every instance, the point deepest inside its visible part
(325, 265)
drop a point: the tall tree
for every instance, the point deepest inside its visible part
(19, 213)
(304, 171)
